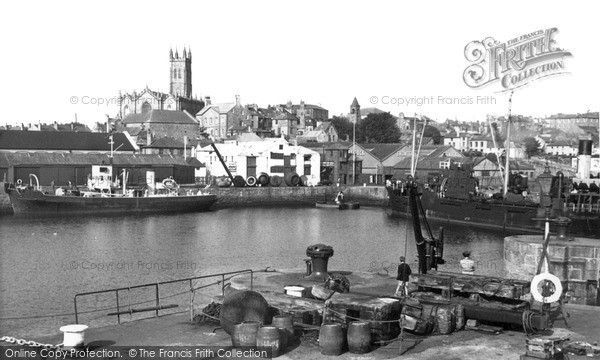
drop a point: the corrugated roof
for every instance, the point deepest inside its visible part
(161, 116)
(7, 159)
(381, 151)
(62, 141)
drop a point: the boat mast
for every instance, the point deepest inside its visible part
(414, 141)
(507, 146)
(354, 151)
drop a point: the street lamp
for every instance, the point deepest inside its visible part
(545, 180)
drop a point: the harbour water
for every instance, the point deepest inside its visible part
(45, 262)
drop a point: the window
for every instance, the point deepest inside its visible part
(276, 155)
(280, 147)
(277, 169)
(307, 170)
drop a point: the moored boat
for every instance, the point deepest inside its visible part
(454, 197)
(102, 199)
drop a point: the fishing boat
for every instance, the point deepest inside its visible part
(105, 196)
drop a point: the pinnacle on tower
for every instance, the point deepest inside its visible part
(354, 103)
(176, 54)
(171, 53)
(184, 53)
(190, 53)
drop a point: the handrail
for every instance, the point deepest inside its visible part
(156, 286)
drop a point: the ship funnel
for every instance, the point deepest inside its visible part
(584, 159)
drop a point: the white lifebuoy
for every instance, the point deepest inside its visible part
(19, 181)
(251, 181)
(535, 282)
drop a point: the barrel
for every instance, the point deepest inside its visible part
(359, 337)
(262, 179)
(291, 179)
(244, 334)
(460, 316)
(268, 336)
(239, 181)
(331, 339)
(285, 325)
(250, 181)
(275, 180)
(304, 180)
(445, 320)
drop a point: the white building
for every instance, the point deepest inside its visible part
(273, 156)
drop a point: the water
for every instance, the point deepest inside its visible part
(45, 262)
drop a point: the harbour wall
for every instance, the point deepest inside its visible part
(296, 196)
(576, 263)
(272, 196)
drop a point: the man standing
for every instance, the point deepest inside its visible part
(467, 265)
(403, 276)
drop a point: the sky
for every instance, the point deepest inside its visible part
(69, 59)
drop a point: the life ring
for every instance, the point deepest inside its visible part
(558, 289)
(169, 183)
(19, 181)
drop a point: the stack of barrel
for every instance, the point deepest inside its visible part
(335, 338)
(277, 336)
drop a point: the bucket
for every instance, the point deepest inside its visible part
(460, 316)
(269, 336)
(286, 326)
(74, 335)
(331, 339)
(291, 179)
(297, 291)
(359, 337)
(244, 334)
(275, 181)
(262, 179)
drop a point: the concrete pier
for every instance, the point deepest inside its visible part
(576, 263)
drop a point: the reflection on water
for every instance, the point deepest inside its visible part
(45, 262)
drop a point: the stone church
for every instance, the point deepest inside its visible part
(179, 97)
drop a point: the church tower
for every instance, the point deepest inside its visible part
(354, 115)
(181, 74)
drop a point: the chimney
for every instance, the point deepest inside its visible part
(237, 100)
(55, 125)
(148, 138)
(207, 101)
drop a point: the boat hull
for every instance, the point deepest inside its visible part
(28, 202)
(499, 215)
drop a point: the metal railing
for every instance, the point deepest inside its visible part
(157, 307)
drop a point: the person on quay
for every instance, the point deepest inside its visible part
(403, 276)
(467, 265)
(340, 197)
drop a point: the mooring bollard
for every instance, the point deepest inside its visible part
(74, 335)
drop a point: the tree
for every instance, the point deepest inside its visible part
(532, 146)
(434, 133)
(343, 127)
(378, 128)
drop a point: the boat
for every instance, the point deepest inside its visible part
(103, 196)
(338, 205)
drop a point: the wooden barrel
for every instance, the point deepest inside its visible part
(286, 326)
(459, 309)
(291, 179)
(262, 179)
(359, 337)
(244, 334)
(251, 181)
(445, 319)
(331, 339)
(239, 181)
(304, 180)
(275, 180)
(269, 336)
